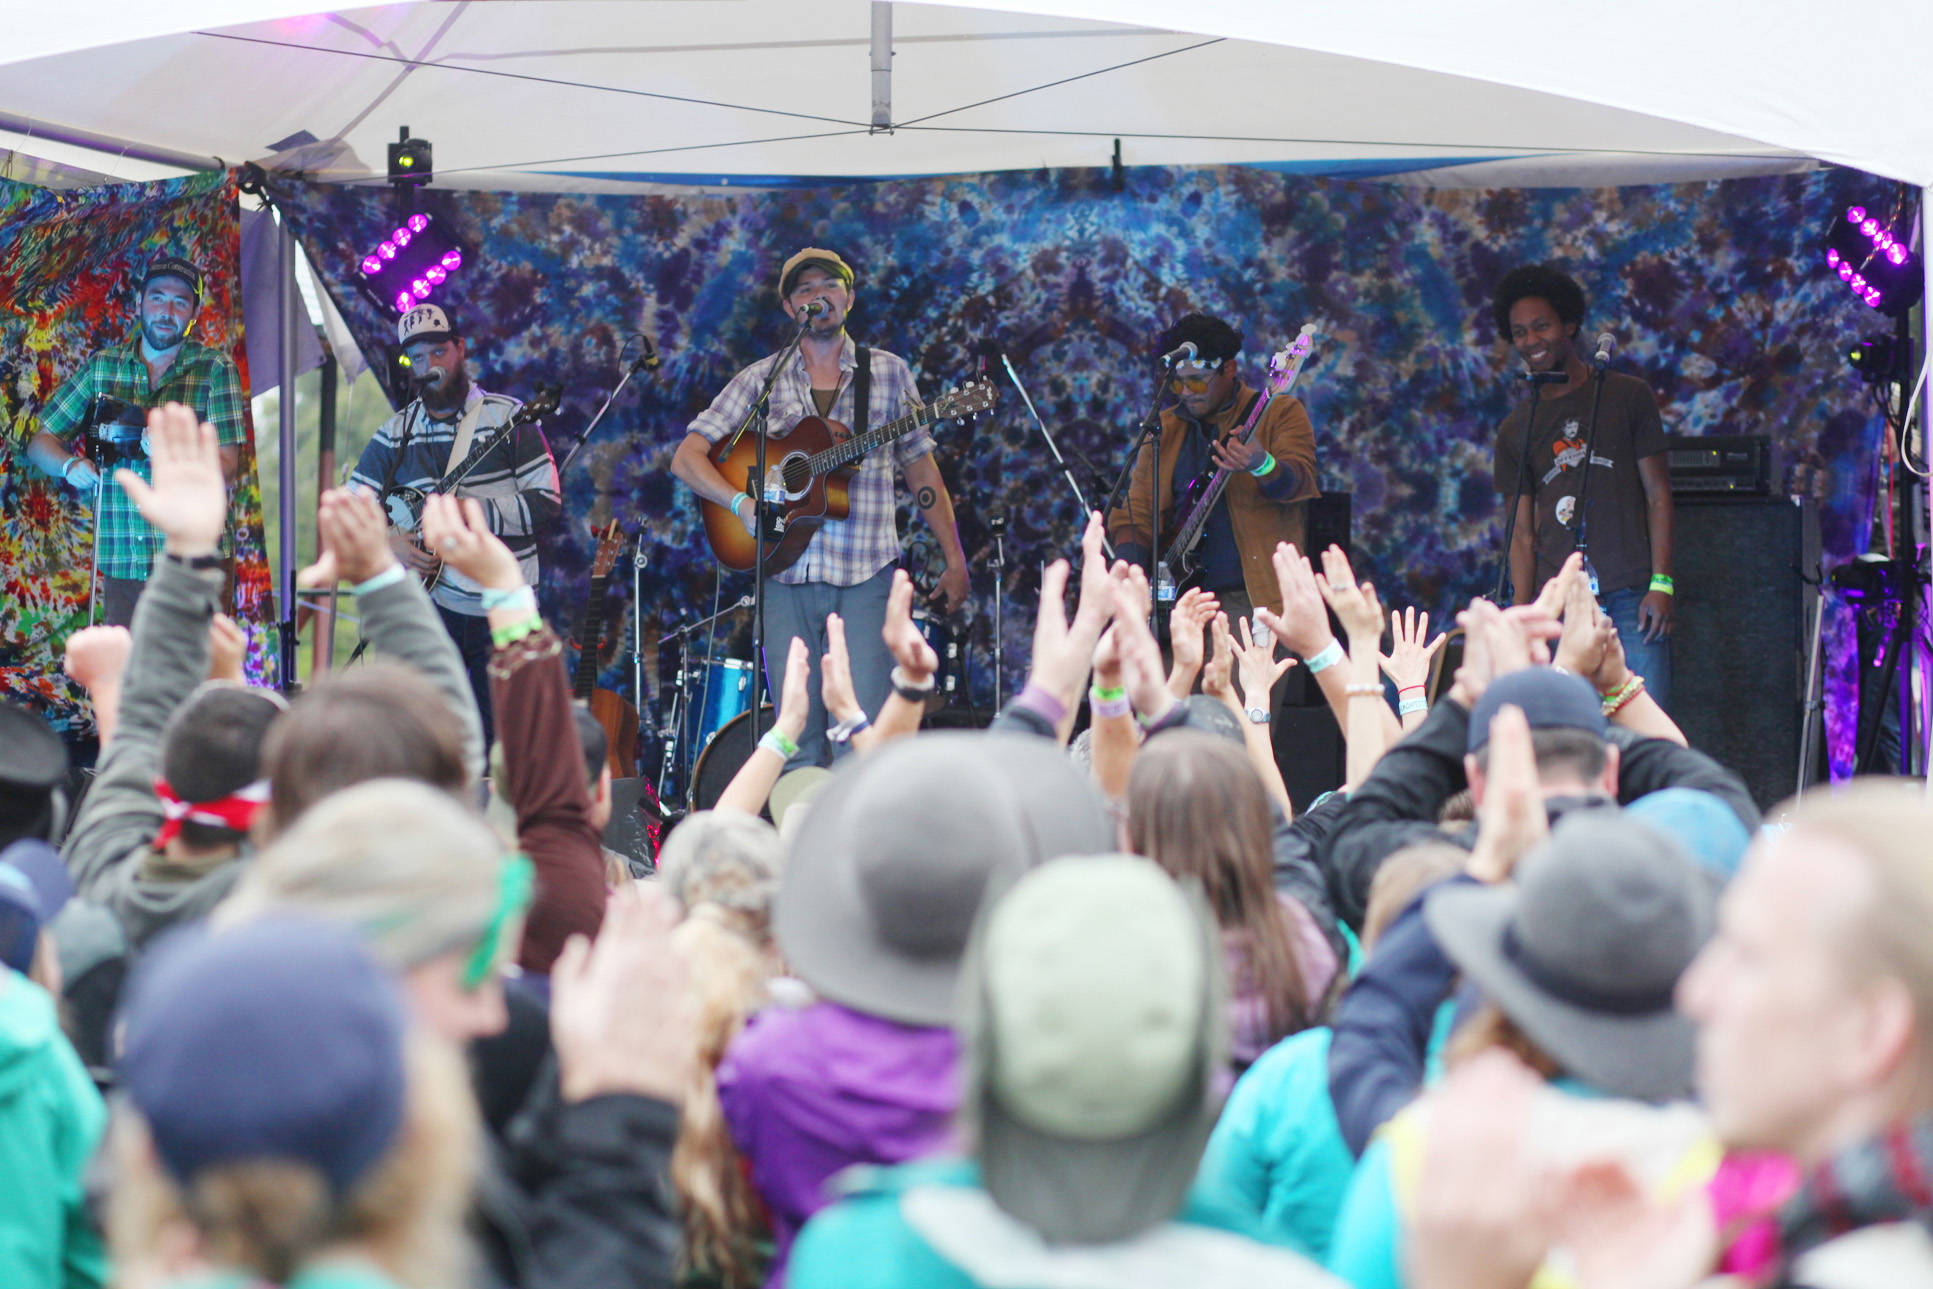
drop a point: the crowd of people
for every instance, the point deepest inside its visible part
(1536, 998)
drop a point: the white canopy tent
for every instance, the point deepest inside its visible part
(588, 95)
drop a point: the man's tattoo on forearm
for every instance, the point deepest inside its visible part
(926, 496)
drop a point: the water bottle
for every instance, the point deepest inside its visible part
(1164, 584)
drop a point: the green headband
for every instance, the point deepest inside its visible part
(516, 885)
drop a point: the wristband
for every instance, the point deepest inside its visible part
(777, 740)
(1107, 693)
(1411, 705)
(904, 686)
(1267, 464)
(1041, 701)
(1662, 582)
(66, 471)
(743, 496)
(1620, 698)
(845, 729)
(515, 597)
(511, 632)
(1324, 658)
(388, 577)
(1102, 707)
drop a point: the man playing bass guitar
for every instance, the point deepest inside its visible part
(1273, 474)
(847, 568)
(432, 436)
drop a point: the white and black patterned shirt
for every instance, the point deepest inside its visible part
(516, 481)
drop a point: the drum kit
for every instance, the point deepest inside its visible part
(705, 712)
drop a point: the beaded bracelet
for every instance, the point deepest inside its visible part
(511, 632)
(1366, 689)
(777, 740)
(1620, 698)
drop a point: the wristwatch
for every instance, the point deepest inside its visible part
(1258, 716)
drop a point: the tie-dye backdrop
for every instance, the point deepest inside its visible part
(1712, 289)
(70, 265)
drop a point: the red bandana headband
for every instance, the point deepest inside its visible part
(236, 811)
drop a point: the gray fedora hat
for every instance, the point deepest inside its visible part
(1583, 953)
(901, 848)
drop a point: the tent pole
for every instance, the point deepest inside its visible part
(882, 67)
(285, 406)
(1918, 524)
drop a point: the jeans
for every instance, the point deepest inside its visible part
(799, 610)
(1649, 658)
(471, 632)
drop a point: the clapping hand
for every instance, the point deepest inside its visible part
(188, 499)
(351, 533)
(835, 670)
(1511, 821)
(1217, 677)
(1303, 624)
(459, 533)
(795, 693)
(902, 635)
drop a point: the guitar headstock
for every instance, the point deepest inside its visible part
(968, 400)
(609, 543)
(543, 401)
(1286, 363)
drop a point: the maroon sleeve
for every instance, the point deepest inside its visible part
(545, 782)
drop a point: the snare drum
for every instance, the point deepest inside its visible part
(715, 692)
(946, 647)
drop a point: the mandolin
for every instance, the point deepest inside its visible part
(807, 471)
(618, 717)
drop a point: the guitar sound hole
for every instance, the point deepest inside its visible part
(797, 473)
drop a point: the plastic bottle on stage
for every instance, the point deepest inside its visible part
(1164, 583)
(1590, 576)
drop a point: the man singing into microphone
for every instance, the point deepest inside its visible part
(156, 365)
(430, 437)
(1626, 522)
(848, 566)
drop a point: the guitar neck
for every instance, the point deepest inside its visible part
(860, 444)
(589, 638)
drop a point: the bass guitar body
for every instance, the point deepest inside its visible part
(808, 500)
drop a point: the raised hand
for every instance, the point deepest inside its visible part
(1355, 606)
(621, 1009)
(96, 656)
(353, 537)
(1556, 593)
(1257, 668)
(795, 695)
(1192, 612)
(1063, 648)
(188, 500)
(1408, 660)
(1511, 821)
(1303, 624)
(835, 671)
(457, 531)
(227, 647)
(1217, 677)
(902, 635)
(1580, 649)
(1140, 656)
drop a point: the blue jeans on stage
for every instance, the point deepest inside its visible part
(1649, 658)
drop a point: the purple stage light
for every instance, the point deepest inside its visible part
(1858, 282)
(435, 274)
(387, 250)
(400, 237)
(1872, 298)
(371, 266)
(1855, 213)
(1832, 257)
(453, 260)
(1869, 227)
(403, 301)
(418, 222)
(420, 288)
(1896, 253)
(1845, 272)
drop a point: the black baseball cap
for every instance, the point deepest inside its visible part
(176, 267)
(1550, 700)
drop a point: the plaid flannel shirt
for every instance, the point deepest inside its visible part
(203, 378)
(844, 552)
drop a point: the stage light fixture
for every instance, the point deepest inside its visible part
(1869, 254)
(415, 259)
(1873, 357)
(410, 161)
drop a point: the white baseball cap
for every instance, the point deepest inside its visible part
(424, 322)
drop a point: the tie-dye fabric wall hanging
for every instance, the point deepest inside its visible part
(70, 269)
(1713, 289)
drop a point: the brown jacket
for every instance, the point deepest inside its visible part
(1259, 522)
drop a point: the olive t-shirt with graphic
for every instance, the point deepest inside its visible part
(1628, 429)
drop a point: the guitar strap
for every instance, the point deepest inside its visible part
(466, 432)
(862, 389)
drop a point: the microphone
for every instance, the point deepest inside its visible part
(1606, 342)
(1185, 352)
(1542, 377)
(817, 309)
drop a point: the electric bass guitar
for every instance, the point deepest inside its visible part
(1180, 559)
(806, 476)
(403, 505)
(618, 717)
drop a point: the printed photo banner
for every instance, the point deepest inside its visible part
(1714, 290)
(70, 266)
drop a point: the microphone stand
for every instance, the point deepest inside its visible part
(1537, 381)
(755, 421)
(1150, 429)
(1583, 543)
(647, 359)
(1067, 472)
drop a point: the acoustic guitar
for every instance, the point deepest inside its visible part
(403, 505)
(618, 717)
(807, 472)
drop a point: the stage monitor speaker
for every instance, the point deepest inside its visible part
(1308, 748)
(1747, 574)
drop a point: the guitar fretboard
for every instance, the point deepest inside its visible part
(860, 444)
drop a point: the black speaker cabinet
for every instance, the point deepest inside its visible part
(1309, 750)
(1747, 572)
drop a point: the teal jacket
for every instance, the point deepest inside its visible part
(50, 1122)
(1277, 1154)
(928, 1225)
